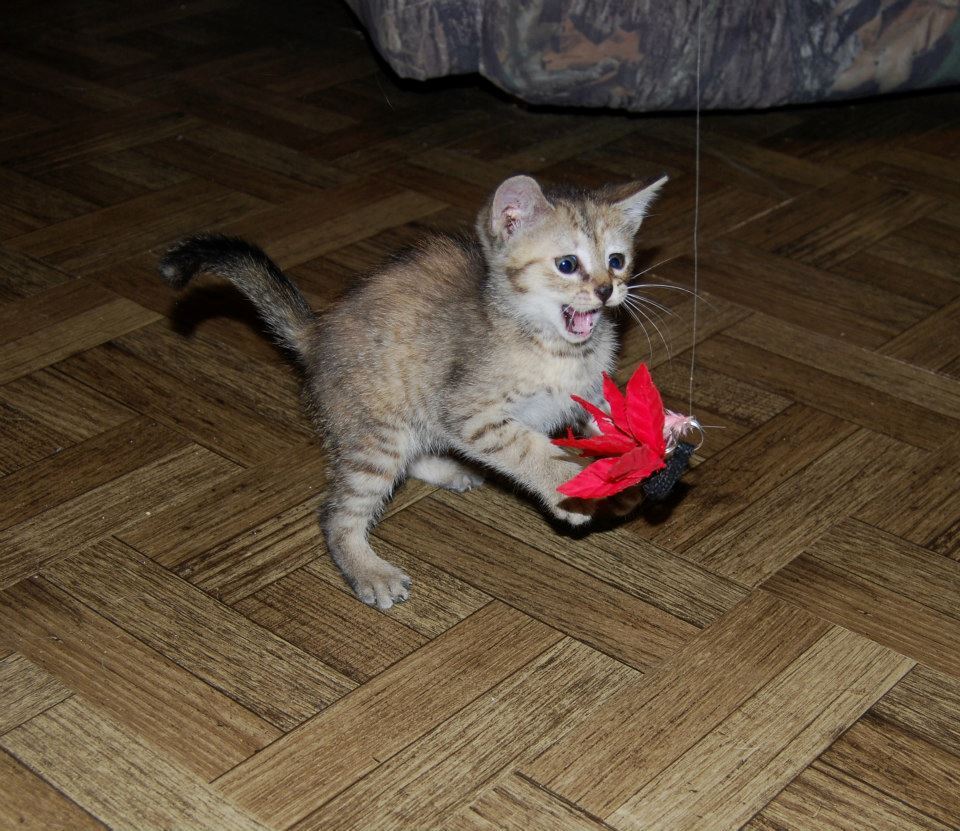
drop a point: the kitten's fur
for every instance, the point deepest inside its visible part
(457, 347)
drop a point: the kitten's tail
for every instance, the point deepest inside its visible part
(278, 300)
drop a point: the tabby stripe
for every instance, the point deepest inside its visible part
(480, 432)
(369, 468)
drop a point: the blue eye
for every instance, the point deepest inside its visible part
(617, 261)
(567, 265)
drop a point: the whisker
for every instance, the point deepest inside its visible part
(663, 286)
(632, 302)
(643, 329)
(693, 294)
(650, 268)
(651, 302)
(662, 338)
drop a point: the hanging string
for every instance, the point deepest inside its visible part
(696, 214)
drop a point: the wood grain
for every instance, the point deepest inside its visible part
(192, 723)
(30, 804)
(897, 605)
(80, 753)
(514, 803)
(268, 675)
(648, 726)
(825, 798)
(50, 344)
(631, 630)
(773, 529)
(519, 717)
(901, 765)
(769, 739)
(324, 621)
(25, 691)
(385, 715)
(173, 479)
(925, 703)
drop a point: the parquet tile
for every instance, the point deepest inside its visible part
(50, 344)
(513, 803)
(820, 389)
(81, 651)
(518, 718)
(926, 703)
(617, 623)
(171, 480)
(821, 797)
(901, 765)
(774, 647)
(31, 804)
(81, 754)
(321, 620)
(176, 531)
(72, 410)
(654, 721)
(26, 691)
(267, 674)
(385, 715)
(773, 529)
(903, 596)
(769, 739)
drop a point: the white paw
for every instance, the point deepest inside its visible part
(572, 517)
(445, 472)
(381, 585)
(463, 481)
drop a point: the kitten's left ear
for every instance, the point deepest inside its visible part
(633, 200)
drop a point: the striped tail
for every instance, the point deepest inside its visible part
(277, 299)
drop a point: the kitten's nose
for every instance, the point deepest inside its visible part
(604, 292)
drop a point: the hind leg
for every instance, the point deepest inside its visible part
(363, 481)
(444, 472)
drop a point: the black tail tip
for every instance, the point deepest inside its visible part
(182, 262)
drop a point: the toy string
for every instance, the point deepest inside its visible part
(696, 213)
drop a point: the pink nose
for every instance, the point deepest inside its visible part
(604, 292)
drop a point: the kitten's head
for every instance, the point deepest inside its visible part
(559, 259)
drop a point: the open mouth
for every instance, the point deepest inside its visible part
(579, 324)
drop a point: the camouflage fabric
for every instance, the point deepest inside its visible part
(641, 54)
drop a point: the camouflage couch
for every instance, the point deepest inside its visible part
(641, 54)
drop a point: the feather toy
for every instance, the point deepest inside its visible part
(636, 439)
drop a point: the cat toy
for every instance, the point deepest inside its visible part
(638, 441)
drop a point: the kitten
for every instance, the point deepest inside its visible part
(470, 347)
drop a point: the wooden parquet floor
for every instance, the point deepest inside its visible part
(776, 648)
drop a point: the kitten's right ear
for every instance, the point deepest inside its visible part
(517, 202)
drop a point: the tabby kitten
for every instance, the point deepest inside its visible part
(470, 347)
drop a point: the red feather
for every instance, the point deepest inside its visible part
(591, 483)
(632, 445)
(645, 410)
(618, 404)
(635, 465)
(597, 445)
(604, 423)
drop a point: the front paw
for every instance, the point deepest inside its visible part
(575, 512)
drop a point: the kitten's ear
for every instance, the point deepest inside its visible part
(517, 202)
(633, 200)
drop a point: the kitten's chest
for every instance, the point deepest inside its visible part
(543, 398)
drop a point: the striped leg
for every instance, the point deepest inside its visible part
(529, 458)
(363, 482)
